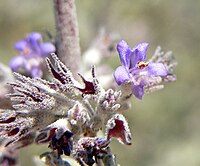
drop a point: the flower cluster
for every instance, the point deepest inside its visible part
(32, 53)
(68, 114)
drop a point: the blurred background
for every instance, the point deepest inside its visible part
(166, 124)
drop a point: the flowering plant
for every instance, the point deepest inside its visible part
(76, 116)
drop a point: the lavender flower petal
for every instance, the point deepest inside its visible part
(34, 40)
(124, 53)
(121, 75)
(138, 53)
(156, 69)
(17, 62)
(138, 90)
(34, 36)
(21, 45)
(46, 49)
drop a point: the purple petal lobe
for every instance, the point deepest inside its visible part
(138, 54)
(17, 62)
(34, 36)
(156, 69)
(121, 75)
(21, 45)
(46, 49)
(138, 91)
(124, 53)
(35, 40)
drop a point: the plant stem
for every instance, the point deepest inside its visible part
(67, 34)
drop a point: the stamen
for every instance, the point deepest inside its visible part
(142, 64)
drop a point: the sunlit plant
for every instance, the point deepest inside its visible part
(75, 113)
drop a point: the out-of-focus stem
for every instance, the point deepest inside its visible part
(67, 34)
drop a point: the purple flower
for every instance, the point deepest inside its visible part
(134, 69)
(32, 53)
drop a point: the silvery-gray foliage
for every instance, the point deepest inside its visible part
(44, 109)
